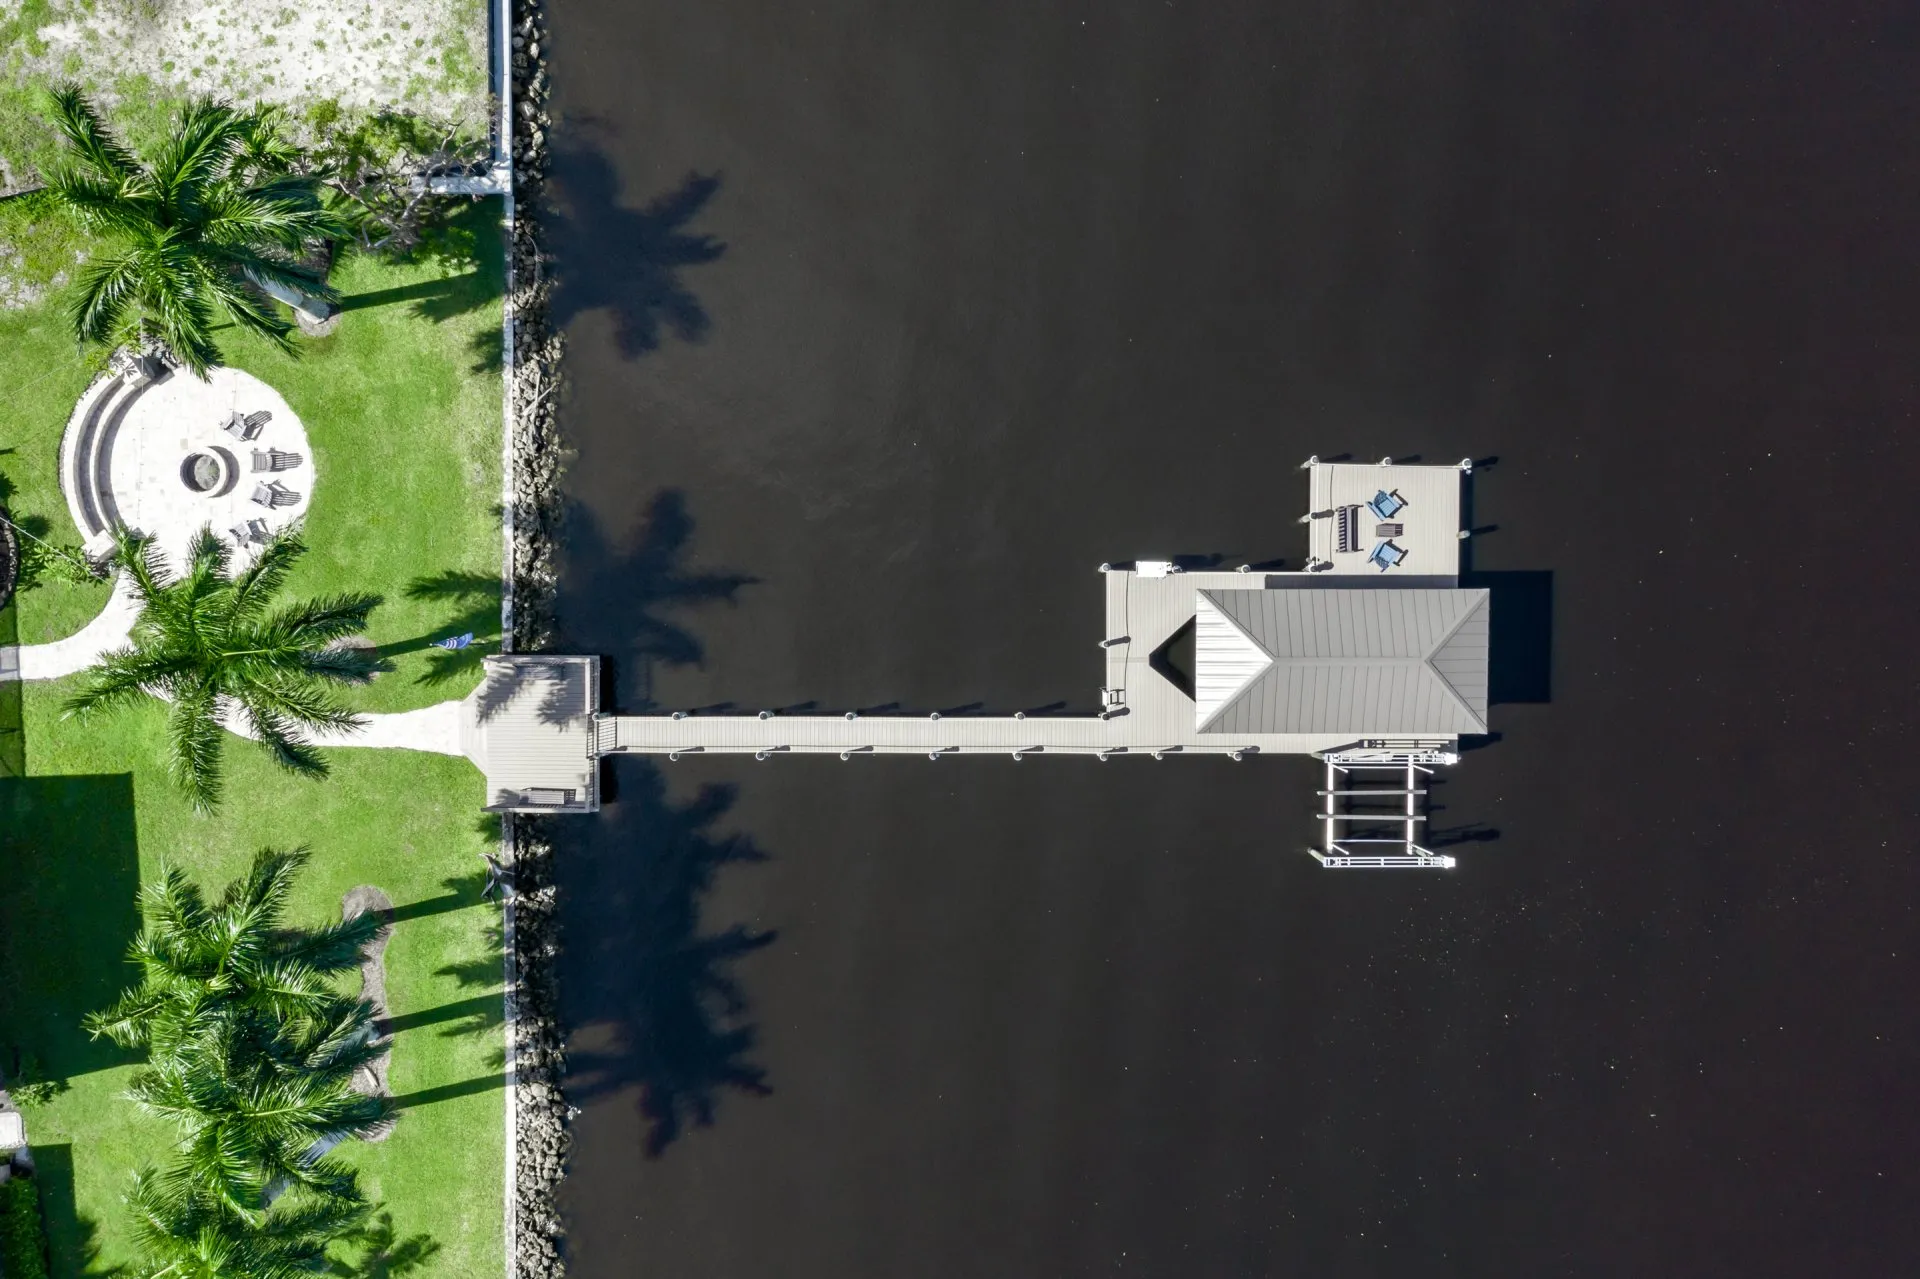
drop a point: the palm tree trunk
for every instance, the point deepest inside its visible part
(313, 312)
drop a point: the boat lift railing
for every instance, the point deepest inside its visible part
(1367, 775)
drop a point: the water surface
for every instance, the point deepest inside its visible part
(888, 323)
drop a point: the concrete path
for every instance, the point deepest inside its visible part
(107, 631)
(435, 729)
(432, 728)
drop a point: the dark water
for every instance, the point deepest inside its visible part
(889, 322)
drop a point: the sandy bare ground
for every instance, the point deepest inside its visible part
(427, 56)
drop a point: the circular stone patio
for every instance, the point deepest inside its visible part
(168, 456)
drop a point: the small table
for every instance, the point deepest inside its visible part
(1389, 530)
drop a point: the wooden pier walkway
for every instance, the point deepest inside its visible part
(1346, 656)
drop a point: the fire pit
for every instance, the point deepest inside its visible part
(209, 472)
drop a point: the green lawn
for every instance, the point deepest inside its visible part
(403, 409)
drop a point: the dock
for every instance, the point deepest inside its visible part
(1372, 656)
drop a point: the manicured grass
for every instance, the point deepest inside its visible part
(402, 407)
(96, 816)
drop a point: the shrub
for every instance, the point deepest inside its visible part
(23, 1245)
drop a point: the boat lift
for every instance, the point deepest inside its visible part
(1383, 765)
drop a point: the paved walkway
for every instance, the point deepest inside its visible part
(435, 729)
(432, 728)
(108, 630)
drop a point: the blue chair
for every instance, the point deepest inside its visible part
(1386, 505)
(1386, 555)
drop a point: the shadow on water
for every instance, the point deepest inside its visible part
(1520, 658)
(633, 587)
(628, 260)
(676, 1019)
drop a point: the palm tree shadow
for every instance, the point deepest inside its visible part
(383, 1254)
(632, 589)
(473, 604)
(626, 260)
(665, 990)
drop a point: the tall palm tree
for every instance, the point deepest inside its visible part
(252, 1052)
(257, 1111)
(214, 645)
(185, 1235)
(212, 222)
(201, 960)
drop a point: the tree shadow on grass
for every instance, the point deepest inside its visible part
(665, 990)
(455, 247)
(448, 1092)
(625, 260)
(13, 733)
(71, 868)
(380, 1252)
(73, 1239)
(632, 590)
(462, 892)
(472, 604)
(488, 350)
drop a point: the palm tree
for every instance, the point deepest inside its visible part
(258, 1112)
(213, 221)
(214, 646)
(200, 960)
(251, 1050)
(185, 1235)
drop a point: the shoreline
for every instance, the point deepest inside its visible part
(537, 1115)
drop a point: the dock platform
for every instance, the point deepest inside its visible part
(1364, 655)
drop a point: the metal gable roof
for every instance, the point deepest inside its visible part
(1373, 662)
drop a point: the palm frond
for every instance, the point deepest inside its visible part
(286, 214)
(284, 741)
(332, 948)
(121, 677)
(107, 287)
(176, 298)
(128, 1020)
(89, 137)
(205, 138)
(301, 703)
(261, 580)
(194, 741)
(140, 556)
(250, 310)
(313, 623)
(109, 206)
(265, 151)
